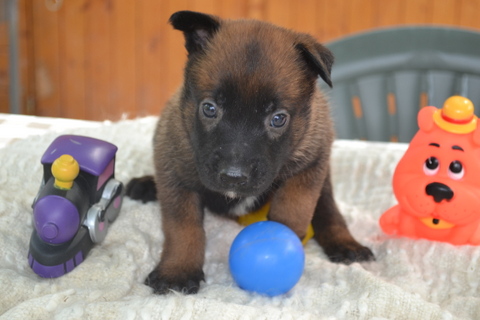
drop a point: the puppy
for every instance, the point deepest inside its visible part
(249, 125)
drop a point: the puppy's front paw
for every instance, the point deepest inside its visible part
(185, 283)
(143, 189)
(348, 253)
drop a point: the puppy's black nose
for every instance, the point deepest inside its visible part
(233, 176)
(439, 191)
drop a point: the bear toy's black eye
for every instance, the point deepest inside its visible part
(431, 166)
(279, 120)
(431, 163)
(456, 167)
(456, 170)
(209, 110)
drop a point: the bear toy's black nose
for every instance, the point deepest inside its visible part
(439, 191)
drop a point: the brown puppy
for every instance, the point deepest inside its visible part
(249, 125)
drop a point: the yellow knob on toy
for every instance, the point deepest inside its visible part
(65, 169)
(456, 116)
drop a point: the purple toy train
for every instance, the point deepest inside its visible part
(78, 199)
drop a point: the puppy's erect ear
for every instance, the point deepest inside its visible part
(197, 28)
(318, 57)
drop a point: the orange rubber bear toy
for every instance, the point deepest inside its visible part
(437, 182)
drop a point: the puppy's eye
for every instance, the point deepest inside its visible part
(209, 109)
(430, 167)
(455, 170)
(279, 120)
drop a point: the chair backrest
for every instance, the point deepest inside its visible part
(382, 78)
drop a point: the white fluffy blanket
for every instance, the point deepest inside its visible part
(409, 280)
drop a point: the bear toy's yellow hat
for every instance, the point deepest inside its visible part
(456, 116)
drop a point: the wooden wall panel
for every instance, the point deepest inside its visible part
(98, 62)
(152, 75)
(417, 11)
(335, 22)
(26, 64)
(388, 12)
(174, 52)
(124, 58)
(364, 19)
(255, 9)
(47, 61)
(108, 59)
(4, 79)
(306, 20)
(279, 12)
(468, 12)
(232, 9)
(445, 11)
(72, 53)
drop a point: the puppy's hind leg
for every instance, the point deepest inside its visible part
(331, 231)
(143, 189)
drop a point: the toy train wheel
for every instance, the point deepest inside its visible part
(101, 214)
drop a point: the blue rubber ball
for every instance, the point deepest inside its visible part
(267, 257)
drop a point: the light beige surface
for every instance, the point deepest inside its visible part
(409, 280)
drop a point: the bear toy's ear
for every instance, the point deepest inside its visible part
(476, 135)
(425, 119)
(198, 28)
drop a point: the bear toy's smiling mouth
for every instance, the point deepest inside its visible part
(436, 223)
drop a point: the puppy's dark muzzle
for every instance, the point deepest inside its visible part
(242, 177)
(237, 168)
(234, 177)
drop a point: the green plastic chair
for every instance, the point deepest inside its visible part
(382, 78)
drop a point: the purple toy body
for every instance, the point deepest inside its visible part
(69, 221)
(56, 219)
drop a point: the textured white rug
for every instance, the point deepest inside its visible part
(409, 280)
